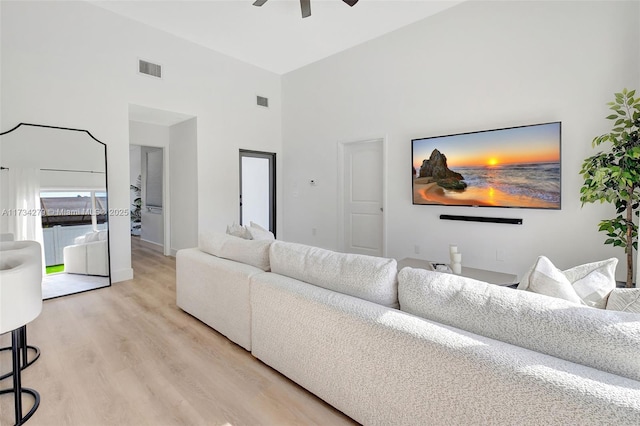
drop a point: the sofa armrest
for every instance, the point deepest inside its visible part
(87, 259)
(75, 259)
(216, 291)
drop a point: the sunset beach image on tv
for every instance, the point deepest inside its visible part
(512, 167)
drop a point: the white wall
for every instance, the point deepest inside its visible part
(477, 66)
(184, 185)
(72, 64)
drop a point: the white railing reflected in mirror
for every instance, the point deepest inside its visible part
(53, 189)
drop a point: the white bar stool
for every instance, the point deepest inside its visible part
(20, 303)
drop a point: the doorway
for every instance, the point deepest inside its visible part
(173, 136)
(147, 170)
(258, 189)
(361, 197)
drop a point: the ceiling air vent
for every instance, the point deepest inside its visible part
(262, 101)
(150, 68)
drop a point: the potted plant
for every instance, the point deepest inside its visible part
(136, 211)
(614, 176)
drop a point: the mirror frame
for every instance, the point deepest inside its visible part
(106, 185)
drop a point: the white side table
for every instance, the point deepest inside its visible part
(492, 277)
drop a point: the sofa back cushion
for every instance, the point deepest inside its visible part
(250, 252)
(606, 340)
(367, 277)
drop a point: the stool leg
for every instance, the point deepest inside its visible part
(17, 385)
(23, 345)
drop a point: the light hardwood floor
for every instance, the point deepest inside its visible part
(127, 355)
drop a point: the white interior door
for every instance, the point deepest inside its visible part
(363, 216)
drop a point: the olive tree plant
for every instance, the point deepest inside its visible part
(614, 176)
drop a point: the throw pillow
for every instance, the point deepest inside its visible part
(238, 231)
(257, 232)
(91, 237)
(624, 299)
(593, 282)
(588, 284)
(254, 253)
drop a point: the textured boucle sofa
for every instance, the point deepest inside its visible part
(414, 347)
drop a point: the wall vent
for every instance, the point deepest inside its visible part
(149, 68)
(262, 101)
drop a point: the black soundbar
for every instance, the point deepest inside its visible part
(482, 219)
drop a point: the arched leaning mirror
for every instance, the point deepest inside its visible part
(53, 189)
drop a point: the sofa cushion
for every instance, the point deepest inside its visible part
(367, 277)
(381, 366)
(254, 253)
(589, 284)
(606, 340)
(624, 299)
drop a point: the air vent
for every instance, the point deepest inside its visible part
(150, 68)
(262, 101)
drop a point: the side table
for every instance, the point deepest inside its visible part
(492, 277)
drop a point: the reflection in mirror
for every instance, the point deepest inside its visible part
(53, 189)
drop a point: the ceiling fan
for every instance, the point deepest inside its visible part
(305, 5)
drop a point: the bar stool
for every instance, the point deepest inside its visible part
(20, 303)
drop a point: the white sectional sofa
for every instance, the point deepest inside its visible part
(89, 254)
(415, 347)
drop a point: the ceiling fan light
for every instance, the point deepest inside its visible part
(350, 2)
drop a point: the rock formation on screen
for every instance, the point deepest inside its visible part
(436, 169)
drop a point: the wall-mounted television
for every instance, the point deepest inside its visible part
(511, 167)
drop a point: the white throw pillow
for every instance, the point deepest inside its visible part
(238, 231)
(91, 237)
(255, 253)
(588, 284)
(257, 232)
(625, 300)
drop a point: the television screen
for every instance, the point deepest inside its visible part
(512, 167)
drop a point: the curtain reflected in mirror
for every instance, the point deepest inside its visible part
(53, 190)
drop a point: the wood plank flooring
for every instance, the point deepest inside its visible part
(127, 355)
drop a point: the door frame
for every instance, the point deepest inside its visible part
(271, 156)
(382, 140)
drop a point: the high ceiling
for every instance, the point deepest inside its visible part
(275, 36)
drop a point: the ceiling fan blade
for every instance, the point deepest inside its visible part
(305, 5)
(350, 2)
(259, 2)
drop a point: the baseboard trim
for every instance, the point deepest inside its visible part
(152, 245)
(121, 275)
